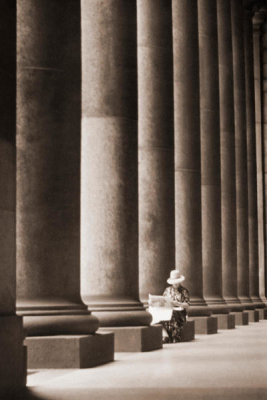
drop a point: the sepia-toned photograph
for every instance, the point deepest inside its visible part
(133, 200)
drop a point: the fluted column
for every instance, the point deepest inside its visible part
(13, 365)
(240, 153)
(48, 188)
(258, 22)
(227, 144)
(210, 155)
(187, 151)
(251, 163)
(155, 144)
(109, 198)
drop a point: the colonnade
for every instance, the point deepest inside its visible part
(141, 147)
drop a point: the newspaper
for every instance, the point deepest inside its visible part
(160, 308)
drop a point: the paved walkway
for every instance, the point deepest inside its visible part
(231, 365)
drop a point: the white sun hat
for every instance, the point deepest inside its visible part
(175, 277)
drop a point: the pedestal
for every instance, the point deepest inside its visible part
(226, 321)
(253, 315)
(13, 354)
(261, 313)
(205, 325)
(70, 351)
(136, 338)
(188, 332)
(241, 317)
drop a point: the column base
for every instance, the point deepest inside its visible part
(235, 307)
(13, 368)
(241, 317)
(47, 325)
(205, 325)
(217, 306)
(123, 318)
(136, 338)
(225, 321)
(70, 351)
(198, 311)
(188, 332)
(257, 302)
(247, 303)
(264, 301)
(253, 315)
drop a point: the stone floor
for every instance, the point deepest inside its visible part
(231, 365)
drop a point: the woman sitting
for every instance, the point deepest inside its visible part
(179, 297)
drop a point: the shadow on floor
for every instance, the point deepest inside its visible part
(142, 394)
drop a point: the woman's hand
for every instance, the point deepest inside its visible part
(180, 304)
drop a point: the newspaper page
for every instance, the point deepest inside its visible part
(160, 308)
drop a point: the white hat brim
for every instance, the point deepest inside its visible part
(175, 281)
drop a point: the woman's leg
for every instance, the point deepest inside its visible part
(178, 323)
(166, 332)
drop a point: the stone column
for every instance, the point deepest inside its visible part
(258, 21)
(109, 195)
(227, 153)
(13, 355)
(187, 154)
(155, 146)
(48, 188)
(264, 121)
(210, 161)
(240, 153)
(251, 163)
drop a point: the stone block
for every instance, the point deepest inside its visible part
(188, 332)
(13, 355)
(241, 317)
(253, 315)
(205, 325)
(136, 338)
(70, 351)
(261, 313)
(226, 321)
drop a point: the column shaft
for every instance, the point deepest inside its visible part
(264, 108)
(155, 145)
(251, 163)
(109, 202)
(210, 155)
(187, 150)
(240, 152)
(13, 360)
(48, 162)
(227, 144)
(257, 33)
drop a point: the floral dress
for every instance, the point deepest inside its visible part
(174, 327)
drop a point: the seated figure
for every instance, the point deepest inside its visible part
(179, 296)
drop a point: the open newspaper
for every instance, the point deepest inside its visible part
(160, 308)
